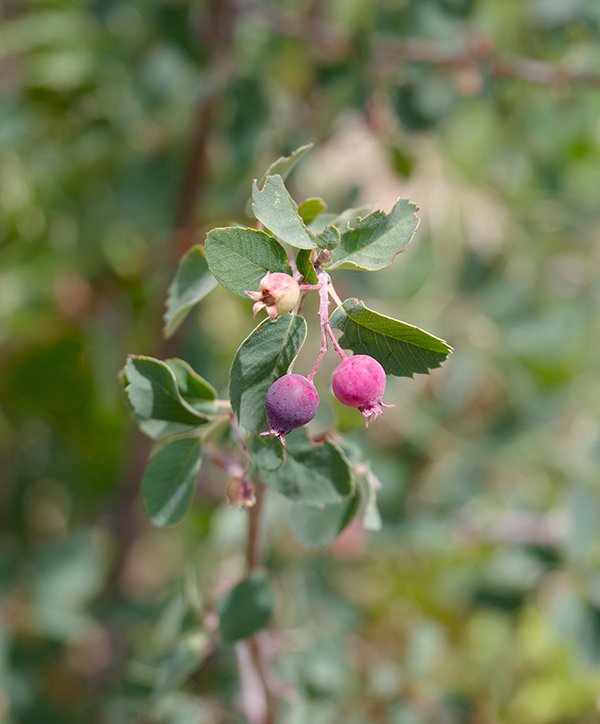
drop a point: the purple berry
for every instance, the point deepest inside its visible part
(359, 381)
(291, 402)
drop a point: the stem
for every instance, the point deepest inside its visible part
(324, 312)
(257, 699)
(325, 288)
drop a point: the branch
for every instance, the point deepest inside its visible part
(480, 51)
(475, 51)
(257, 699)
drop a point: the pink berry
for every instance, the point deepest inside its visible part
(359, 381)
(279, 294)
(291, 402)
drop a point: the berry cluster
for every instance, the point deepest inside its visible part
(292, 400)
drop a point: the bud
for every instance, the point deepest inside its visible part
(240, 493)
(279, 293)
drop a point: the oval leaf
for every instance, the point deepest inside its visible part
(373, 242)
(247, 608)
(277, 211)
(263, 356)
(239, 257)
(192, 282)
(284, 164)
(169, 480)
(312, 473)
(400, 348)
(153, 393)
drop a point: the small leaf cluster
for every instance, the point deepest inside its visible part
(324, 480)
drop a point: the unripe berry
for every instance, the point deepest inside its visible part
(291, 402)
(359, 381)
(279, 293)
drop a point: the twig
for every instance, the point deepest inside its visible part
(256, 693)
(388, 52)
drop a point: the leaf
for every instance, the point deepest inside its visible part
(319, 526)
(168, 483)
(309, 209)
(277, 211)
(240, 257)
(305, 267)
(153, 393)
(400, 348)
(247, 608)
(373, 242)
(329, 238)
(190, 384)
(264, 356)
(190, 650)
(312, 473)
(192, 283)
(284, 164)
(267, 454)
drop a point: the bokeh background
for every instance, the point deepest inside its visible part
(127, 130)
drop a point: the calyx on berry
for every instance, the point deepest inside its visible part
(278, 294)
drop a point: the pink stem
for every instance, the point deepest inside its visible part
(323, 288)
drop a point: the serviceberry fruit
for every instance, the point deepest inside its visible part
(291, 402)
(359, 381)
(279, 293)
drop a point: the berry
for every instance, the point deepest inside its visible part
(291, 402)
(359, 381)
(279, 293)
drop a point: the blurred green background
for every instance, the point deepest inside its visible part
(127, 130)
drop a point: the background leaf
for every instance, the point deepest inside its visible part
(373, 242)
(192, 283)
(400, 348)
(189, 652)
(240, 257)
(265, 355)
(318, 526)
(169, 480)
(247, 608)
(312, 473)
(273, 206)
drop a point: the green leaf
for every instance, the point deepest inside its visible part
(247, 608)
(264, 356)
(240, 257)
(153, 393)
(191, 385)
(168, 483)
(318, 526)
(189, 652)
(284, 164)
(267, 454)
(309, 209)
(373, 242)
(277, 211)
(305, 267)
(400, 348)
(312, 473)
(349, 217)
(329, 238)
(192, 282)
